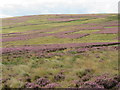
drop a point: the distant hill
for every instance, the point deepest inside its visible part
(68, 28)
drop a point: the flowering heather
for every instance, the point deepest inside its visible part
(54, 47)
(117, 87)
(31, 85)
(25, 37)
(34, 35)
(90, 84)
(52, 85)
(60, 51)
(41, 33)
(106, 82)
(109, 30)
(112, 23)
(84, 15)
(42, 81)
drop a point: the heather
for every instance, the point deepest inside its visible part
(60, 51)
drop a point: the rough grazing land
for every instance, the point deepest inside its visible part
(60, 51)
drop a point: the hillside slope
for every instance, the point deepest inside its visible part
(51, 51)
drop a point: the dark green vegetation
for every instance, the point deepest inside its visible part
(60, 51)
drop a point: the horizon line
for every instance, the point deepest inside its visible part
(54, 14)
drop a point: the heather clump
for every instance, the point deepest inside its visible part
(106, 82)
(42, 81)
(52, 85)
(90, 84)
(31, 85)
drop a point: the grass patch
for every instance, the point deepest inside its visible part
(87, 31)
(100, 37)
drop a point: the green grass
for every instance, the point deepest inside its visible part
(55, 40)
(73, 66)
(70, 64)
(100, 37)
(87, 31)
(111, 27)
(51, 25)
